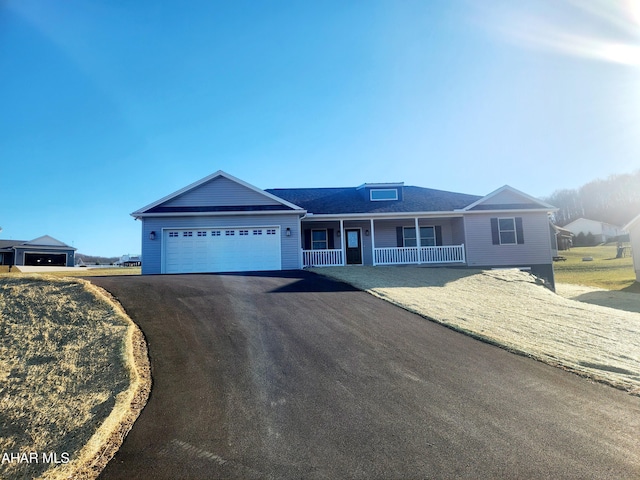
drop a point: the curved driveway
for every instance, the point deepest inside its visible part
(291, 375)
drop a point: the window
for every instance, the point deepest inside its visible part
(229, 233)
(257, 232)
(173, 234)
(202, 234)
(427, 237)
(383, 194)
(244, 232)
(187, 234)
(215, 233)
(319, 239)
(507, 231)
(271, 231)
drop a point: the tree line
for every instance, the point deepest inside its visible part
(615, 200)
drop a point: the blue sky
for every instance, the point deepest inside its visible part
(107, 106)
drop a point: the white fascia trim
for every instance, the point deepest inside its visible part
(510, 211)
(511, 189)
(391, 215)
(219, 173)
(220, 214)
(380, 185)
(36, 247)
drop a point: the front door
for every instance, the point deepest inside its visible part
(354, 246)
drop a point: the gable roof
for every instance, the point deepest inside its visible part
(583, 220)
(168, 204)
(43, 241)
(334, 201)
(507, 197)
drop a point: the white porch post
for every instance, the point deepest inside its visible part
(418, 240)
(373, 243)
(342, 243)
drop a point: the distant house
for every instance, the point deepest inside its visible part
(633, 227)
(129, 261)
(602, 232)
(42, 251)
(562, 239)
(221, 224)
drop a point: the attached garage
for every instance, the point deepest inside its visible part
(45, 259)
(220, 224)
(229, 249)
(43, 251)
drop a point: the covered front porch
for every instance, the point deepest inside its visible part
(383, 241)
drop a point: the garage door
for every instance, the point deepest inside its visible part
(222, 250)
(45, 259)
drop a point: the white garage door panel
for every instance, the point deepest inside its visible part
(222, 250)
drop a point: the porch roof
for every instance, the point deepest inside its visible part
(333, 201)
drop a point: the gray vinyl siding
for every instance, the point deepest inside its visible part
(218, 192)
(457, 231)
(152, 249)
(324, 226)
(481, 251)
(386, 230)
(19, 254)
(507, 197)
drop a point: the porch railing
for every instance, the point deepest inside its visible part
(407, 255)
(322, 258)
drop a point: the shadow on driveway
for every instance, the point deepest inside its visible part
(327, 382)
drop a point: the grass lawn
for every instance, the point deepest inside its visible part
(511, 309)
(604, 271)
(79, 272)
(73, 374)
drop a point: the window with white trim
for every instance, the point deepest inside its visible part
(174, 234)
(257, 232)
(381, 194)
(507, 231)
(244, 232)
(319, 239)
(271, 231)
(202, 234)
(229, 233)
(187, 234)
(215, 233)
(427, 237)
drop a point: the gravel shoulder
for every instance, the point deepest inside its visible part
(512, 309)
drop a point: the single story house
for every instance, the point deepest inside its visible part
(602, 232)
(42, 251)
(221, 223)
(129, 261)
(633, 227)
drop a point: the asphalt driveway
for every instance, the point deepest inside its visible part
(291, 375)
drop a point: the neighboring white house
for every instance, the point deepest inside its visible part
(633, 227)
(130, 261)
(601, 231)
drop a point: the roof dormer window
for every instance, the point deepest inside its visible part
(381, 194)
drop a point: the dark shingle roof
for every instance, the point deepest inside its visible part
(350, 200)
(4, 244)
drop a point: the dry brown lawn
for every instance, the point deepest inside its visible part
(511, 309)
(74, 375)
